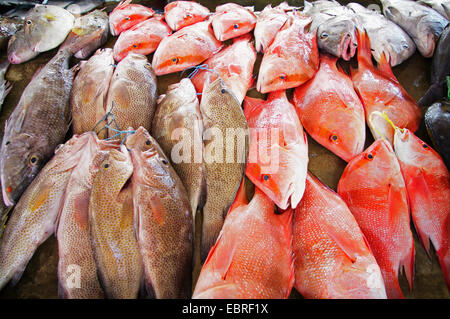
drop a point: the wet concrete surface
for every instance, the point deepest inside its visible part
(40, 277)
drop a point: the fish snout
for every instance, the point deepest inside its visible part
(14, 59)
(348, 46)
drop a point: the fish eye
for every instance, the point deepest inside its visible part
(283, 77)
(223, 91)
(106, 165)
(28, 21)
(188, 15)
(134, 46)
(164, 162)
(236, 26)
(7, 142)
(147, 142)
(33, 159)
(323, 35)
(425, 146)
(334, 138)
(127, 18)
(369, 156)
(175, 60)
(266, 177)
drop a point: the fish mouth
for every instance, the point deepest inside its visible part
(348, 47)
(14, 59)
(6, 199)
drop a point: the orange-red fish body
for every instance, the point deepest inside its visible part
(380, 91)
(330, 110)
(127, 15)
(232, 20)
(185, 48)
(278, 156)
(291, 59)
(180, 14)
(252, 257)
(143, 38)
(234, 65)
(332, 257)
(373, 188)
(428, 184)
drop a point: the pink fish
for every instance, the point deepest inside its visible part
(127, 15)
(232, 20)
(180, 14)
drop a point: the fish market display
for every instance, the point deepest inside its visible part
(291, 59)
(232, 20)
(380, 91)
(269, 22)
(132, 93)
(143, 38)
(385, 36)
(332, 258)
(422, 23)
(330, 110)
(180, 14)
(437, 121)
(5, 86)
(178, 128)
(234, 64)
(89, 92)
(428, 183)
(373, 188)
(8, 27)
(74, 241)
(45, 28)
(440, 70)
(126, 15)
(38, 124)
(111, 225)
(163, 219)
(278, 157)
(223, 120)
(185, 48)
(252, 257)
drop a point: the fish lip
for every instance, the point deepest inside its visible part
(348, 48)
(13, 58)
(6, 199)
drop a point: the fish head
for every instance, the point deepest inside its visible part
(127, 15)
(412, 150)
(272, 74)
(179, 14)
(22, 157)
(117, 167)
(19, 49)
(232, 21)
(337, 36)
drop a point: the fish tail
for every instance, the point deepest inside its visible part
(408, 265)
(444, 260)
(392, 285)
(364, 52)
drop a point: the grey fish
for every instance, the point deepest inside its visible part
(437, 121)
(5, 86)
(385, 36)
(8, 27)
(441, 6)
(19, 49)
(423, 24)
(38, 124)
(440, 69)
(83, 6)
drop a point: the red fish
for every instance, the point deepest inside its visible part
(291, 59)
(380, 91)
(234, 65)
(180, 14)
(373, 188)
(185, 48)
(143, 38)
(269, 22)
(127, 15)
(428, 183)
(330, 110)
(332, 257)
(252, 257)
(278, 156)
(232, 20)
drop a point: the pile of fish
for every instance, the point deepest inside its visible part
(123, 194)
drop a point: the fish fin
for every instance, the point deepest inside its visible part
(41, 197)
(241, 197)
(228, 247)
(281, 94)
(158, 209)
(385, 67)
(348, 245)
(122, 4)
(434, 92)
(81, 208)
(251, 104)
(364, 54)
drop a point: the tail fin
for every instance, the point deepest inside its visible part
(364, 51)
(434, 92)
(241, 197)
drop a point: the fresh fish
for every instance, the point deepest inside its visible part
(35, 215)
(163, 219)
(132, 93)
(178, 128)
(330, 110)
(19, 48)
(234, 64)
(38, 124)
(143, 38)
(180, 14)
(291, 59)
(332, 257)
(441, 6)
(185, 48)
(80, 7)
(89, 92)
(8, 27)
(223, 122)
(380, 91)
(74, 242)
(269, 22)
(116, 250)
(232, 20)
(385, 36)
(5, 86)
(335, 27)
(373, 188)
(278, 157)
(437, 121)
(84, 26)
(252, 257)
(428, 184)
(422, 23)
(440, 70)
(126, 15)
